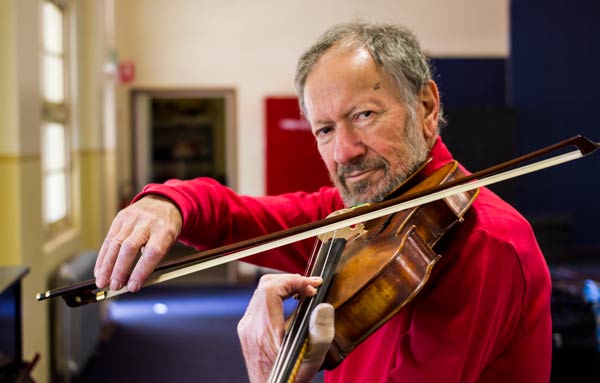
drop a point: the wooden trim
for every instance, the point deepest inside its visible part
(20, 157)
(180, 91)
(93, 152)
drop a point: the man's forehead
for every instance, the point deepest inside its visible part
(341, 83)
(343, 53)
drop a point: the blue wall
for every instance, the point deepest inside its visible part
(481, 128)
(554, 77)
(547, 91)
(469, 82)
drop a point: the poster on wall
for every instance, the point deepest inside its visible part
(292, 159)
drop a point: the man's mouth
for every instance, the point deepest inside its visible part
(360, 175)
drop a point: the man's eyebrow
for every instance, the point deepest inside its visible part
(353, 108)
(320, 123)
(363, 105)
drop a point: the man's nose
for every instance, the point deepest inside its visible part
(348, 145)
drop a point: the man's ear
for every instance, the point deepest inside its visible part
(429, 99)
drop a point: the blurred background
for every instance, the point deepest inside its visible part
(100, 97)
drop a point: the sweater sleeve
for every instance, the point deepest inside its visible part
(214, 215)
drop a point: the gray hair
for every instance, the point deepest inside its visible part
(394, 49)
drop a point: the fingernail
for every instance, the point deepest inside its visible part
(133, 286)
(316, 279)
(115, 285)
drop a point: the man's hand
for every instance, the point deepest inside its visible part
(150, 225)
(261, 329)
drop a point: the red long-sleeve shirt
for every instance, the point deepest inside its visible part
(484, 316)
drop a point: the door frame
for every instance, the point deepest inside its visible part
(139, 102)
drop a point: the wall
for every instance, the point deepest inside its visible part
(21, 230)
(253, 46)
(20, 202)
(9, 170)
(554, 88)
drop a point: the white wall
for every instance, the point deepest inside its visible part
(253, 46)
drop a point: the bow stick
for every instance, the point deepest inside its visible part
(87, 292)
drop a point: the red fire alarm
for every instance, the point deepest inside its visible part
(126, 72)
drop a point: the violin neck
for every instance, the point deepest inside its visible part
(295, 341)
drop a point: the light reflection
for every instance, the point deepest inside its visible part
(160, 308)
(177, 306)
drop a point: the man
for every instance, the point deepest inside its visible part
(374, 110)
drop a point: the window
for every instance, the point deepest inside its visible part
(55, 119)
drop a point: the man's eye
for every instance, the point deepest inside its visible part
(364, 115)
(323, 131)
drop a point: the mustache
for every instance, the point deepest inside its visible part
(361, 164)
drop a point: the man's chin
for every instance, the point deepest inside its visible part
(366, 194)
(358, 197)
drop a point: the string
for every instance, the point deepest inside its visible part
(313, 257)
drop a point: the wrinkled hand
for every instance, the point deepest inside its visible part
(261, 329)
(150, 225)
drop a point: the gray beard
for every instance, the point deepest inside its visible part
(410, 157)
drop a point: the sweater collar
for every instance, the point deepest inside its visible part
(440, 155)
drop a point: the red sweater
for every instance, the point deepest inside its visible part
(484, 316)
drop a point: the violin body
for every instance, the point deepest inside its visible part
(387, 264)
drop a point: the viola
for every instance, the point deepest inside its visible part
(374, 269)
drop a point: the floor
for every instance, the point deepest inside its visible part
(188, 334)
(173, 334)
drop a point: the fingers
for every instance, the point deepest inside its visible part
(125, 258)
(152, 223)
(265, 310)
(115, 228)
(261, 328)
(285, 285)
(109, 252)
(266, 305)
(151, 257)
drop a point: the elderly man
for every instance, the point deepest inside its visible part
(375, 113)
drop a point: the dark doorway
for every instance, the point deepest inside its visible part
(183, 134)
